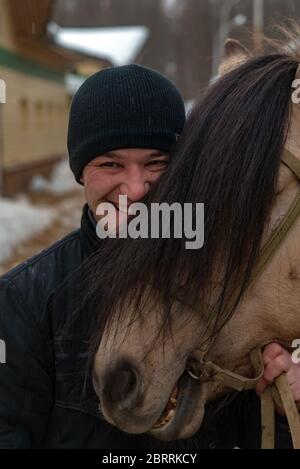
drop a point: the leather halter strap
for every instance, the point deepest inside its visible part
(279, 393)
(291, 162)
(203, 370)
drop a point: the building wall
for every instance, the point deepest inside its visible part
(34, 118)
(33, 126)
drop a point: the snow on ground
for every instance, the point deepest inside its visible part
(61, 181)
(31, 223)
(19, 221)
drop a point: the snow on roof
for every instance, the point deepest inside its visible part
(119, 45)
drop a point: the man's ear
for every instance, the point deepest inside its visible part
(82, 180)
(235, 55)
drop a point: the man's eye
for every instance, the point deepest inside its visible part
(157, 162)
(109, 164)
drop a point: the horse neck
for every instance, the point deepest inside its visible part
(270, 308)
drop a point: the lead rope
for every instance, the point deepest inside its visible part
(281, 394)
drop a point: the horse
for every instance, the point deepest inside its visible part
(162, 303)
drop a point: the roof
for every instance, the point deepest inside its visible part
(30, 19)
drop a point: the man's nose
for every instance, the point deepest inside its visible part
(135, 187)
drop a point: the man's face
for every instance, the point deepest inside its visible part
(129, 172)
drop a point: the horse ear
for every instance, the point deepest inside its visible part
(235, 55)
(233, 47)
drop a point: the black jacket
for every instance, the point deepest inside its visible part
(46, 400)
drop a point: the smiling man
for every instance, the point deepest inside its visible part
(124, 122)
(128, 172)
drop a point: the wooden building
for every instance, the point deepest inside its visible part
(34, 102)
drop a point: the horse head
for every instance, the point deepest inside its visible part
(169, 303)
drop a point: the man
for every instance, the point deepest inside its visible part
(124, 121)
(123, 124)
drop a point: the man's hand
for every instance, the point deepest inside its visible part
(277, 360)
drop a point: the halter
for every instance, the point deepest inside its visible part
(280, 391)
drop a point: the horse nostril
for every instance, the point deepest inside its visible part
(127, 384)
(123, 386)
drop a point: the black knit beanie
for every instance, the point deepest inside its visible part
(123, 107)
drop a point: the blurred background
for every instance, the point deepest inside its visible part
(49, 47)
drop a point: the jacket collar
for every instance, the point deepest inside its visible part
(88, 235)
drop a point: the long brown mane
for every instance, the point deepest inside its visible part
(227, 158)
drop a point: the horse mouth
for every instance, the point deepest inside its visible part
(181, 418)
(169, 412)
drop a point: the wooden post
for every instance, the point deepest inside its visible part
(258, 22)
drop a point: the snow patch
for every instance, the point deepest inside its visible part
(61, 181)
(19, 221)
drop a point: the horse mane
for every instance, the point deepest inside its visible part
(227, 158)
